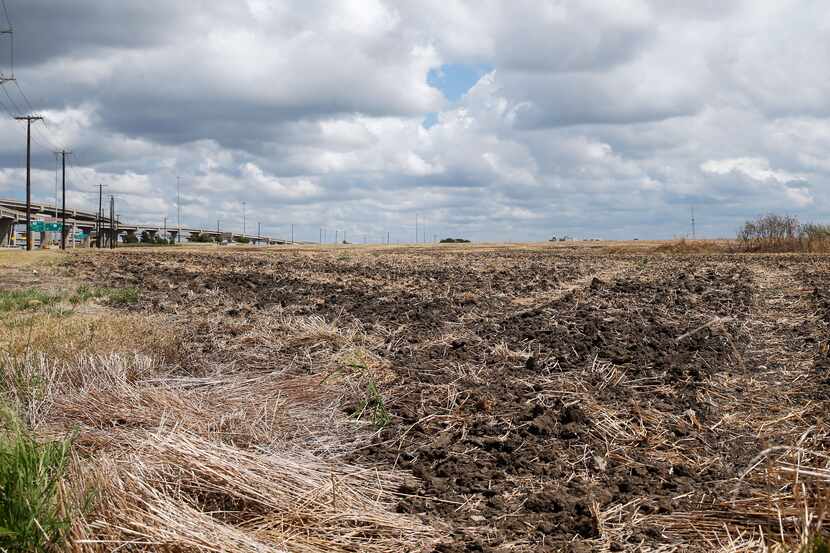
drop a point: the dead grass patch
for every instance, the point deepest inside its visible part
(684, 246)
(64, 338)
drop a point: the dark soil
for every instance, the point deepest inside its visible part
(519, 410)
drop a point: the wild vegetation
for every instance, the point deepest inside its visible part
(783, 233)
(394, 399)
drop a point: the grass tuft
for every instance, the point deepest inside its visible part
(374, 407)
(21, 300)
(114, 296)
(31, 515)
(816, 545)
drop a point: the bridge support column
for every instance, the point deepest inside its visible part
(6, 230)
(173, 235)
(87, 241)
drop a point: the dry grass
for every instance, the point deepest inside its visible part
(176, 491)
(65, 336)
(241, 447)
(18, 258)
(204, 458)
(225, 461)
(684, 246)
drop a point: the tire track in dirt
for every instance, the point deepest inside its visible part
(538, 301)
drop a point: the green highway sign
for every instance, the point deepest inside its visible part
(43, 226)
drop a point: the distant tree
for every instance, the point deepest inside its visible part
(201, 238)
(815, 237)
(771, 232)
(454, 241)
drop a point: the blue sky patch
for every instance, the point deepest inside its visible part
(430, 120)
(455, 79)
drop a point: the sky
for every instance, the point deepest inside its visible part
(487, 120)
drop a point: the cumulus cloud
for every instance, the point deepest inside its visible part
(604, 118)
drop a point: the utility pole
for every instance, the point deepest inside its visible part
(388, 236)
(100, 216)
(336, 236)
(416, 228)
(113, 235)
(693, 223)
(321, 235)
(165, 228)
(292, 233)
(179, 209)
(29, 119)
(344, 236)
(243, 218)
(63, 207)
(258, 230)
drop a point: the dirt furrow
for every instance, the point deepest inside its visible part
(771, 404)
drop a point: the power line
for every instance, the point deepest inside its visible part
(11, 77)
(7, 110)
(11, 100)
(10, 32)
(6, 13)
(25, 98)
(52, 146)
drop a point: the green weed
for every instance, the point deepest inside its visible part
(114, 296)
(20, 300)
(31, 515)
(374, 407)
(816, 545)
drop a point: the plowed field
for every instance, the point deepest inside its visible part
(527, 399)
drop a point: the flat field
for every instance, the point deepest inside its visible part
(588, 397)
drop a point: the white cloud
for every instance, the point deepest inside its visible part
(593, 117)
(753, 167)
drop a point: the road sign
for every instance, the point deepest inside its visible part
(43, 226)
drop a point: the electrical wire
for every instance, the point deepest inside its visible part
(6, 109)
(11, 100)
(10, 32)
(6, 13)
(52, 144)
(25, 98)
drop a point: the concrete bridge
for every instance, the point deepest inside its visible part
(13, 212)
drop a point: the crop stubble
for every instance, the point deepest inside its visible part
(539, 400)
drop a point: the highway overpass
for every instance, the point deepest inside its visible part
(13, 212)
